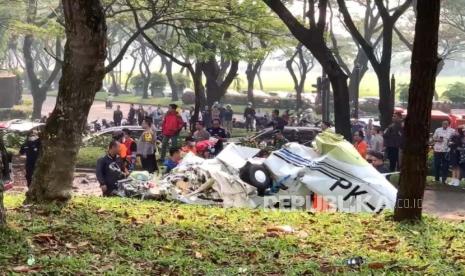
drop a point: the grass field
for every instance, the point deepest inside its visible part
(278, 81)
(281, 81)
(112, 236)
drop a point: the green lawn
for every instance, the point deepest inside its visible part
(127, 237)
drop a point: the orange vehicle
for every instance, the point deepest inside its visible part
(437, 117)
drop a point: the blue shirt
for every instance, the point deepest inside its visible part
(169, 164)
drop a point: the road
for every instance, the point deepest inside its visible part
(98, 110)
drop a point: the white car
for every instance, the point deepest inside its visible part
(19, 125)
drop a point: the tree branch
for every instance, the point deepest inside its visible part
(400, 10)
(403, 39)
(367, 48)
(296, 28)
(322, 6)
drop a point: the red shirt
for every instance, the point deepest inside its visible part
(172, 124)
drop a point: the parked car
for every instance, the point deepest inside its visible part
(301, 135)
(19, 125)
(102, 138)
(136, 132)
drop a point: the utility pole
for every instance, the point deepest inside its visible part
(326, 96)
(357, 91)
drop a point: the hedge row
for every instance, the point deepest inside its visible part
(188, 98)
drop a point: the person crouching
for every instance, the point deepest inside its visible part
(109, 170)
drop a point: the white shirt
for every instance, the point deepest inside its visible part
(442, 145)
(185, 116)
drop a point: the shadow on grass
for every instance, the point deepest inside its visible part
(120, 236)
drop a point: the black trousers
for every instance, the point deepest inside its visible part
(441, 166)
(149, 163)
(392, 155)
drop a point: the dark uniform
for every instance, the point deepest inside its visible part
(31, 149)
(117, 117)
(220, 133)
(108, 173)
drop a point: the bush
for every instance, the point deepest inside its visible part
(181, 81)
(455, 92)
(188, 98)
(403, 92)
(137, 82)
(17, 112)
(88, 156)
(157, 83)
(14, 140)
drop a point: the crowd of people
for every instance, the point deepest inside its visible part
(447, 146)
(123, 151)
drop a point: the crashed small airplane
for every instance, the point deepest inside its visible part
(288, 178)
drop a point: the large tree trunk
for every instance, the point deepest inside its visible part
(386, 103)
(2, 208)
(38, 92)
(169, 75)
(314, 40)
(199, 91)
(358, 72)
(83, 72)
(144, 68)
(216, 83)
(422, 85)
(251, 73)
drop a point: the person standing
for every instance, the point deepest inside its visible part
(228, 117)
(368, 131)
(360, 144)
(441, 138)
(132, 115)
(456, 153)
(186, 117)
(200, 134)
(141, 114)
(109, 171)
(147, 146)
(216, 113)
(217, 132)
(131, 149)
(31, 148)
(157, 116)
(171, 127)
(393, 141)
(376, 142)
(207, 117)
(118, 116)
(249, 116)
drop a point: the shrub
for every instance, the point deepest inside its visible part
(137, 82)
(157, 83)
(181, 81)
(14, 140)
(17, 112)
(455, 92)
(403, 92)
(88, 156)
(188, 98)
